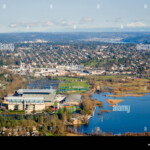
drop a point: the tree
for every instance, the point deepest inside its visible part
(60, 112)
(64, 117)
(30, 130)
(55, 104)
(65, 109)
(40, 119)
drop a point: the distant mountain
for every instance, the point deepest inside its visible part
(139, 39)
(135, 37)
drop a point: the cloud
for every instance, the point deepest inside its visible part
(66, 23)
(48, 23)
(13, 25)
(52, 23)
(23, 24)
(136, 24)
(86, 20)
(115, 20)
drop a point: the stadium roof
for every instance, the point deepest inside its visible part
(29, 100)
(14, 98)
(35, 91)
(23, 98)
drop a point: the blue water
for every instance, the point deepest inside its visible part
(137, 120)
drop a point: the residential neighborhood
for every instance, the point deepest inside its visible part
(44, 59)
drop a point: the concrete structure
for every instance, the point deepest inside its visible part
(60, 98)
(47, 94)
(74, 99)
(97, 72)
(31, 99)
(28, 103)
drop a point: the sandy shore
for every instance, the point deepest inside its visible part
(73, 134)
(112, 105)
(124, 95)
(101, 111)
(113, 101)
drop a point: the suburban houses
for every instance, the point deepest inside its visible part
(70, 60)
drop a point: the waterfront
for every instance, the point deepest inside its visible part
(137, 119)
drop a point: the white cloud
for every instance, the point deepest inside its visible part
(145, 6)
(23, 24)
(52, 23)
(136, 24)
(48, 23)
(4, 6)
(66, 23)
(13, 25)
(86, 20)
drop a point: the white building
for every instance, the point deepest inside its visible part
(97, 72)
(26, 103)
(47, 94)
(143, 46)
(7, 46)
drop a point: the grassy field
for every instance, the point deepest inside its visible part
(74, 87)
(131, 86)
(148, 78)
(79, 85)
(100, 78)
(107, 77)
(69, 110)
(49, 134)
(12, 112)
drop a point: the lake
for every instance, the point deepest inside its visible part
(135, 118)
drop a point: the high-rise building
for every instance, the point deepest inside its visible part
(51, 47)
(7, 46)
(143, 46)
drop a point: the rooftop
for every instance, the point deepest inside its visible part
(35, 91)
(17, 99)
(74, 98)
(24, 98)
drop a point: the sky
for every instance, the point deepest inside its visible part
(74, 15)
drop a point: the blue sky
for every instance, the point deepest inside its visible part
(73, 15)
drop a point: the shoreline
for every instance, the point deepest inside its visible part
(126, 95)
(114, 102)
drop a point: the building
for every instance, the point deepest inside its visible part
(143, 46)
(47, 94)
(4, 47)
(26, 103)
(74, 67)
(82, 74)
(60, 98)
(97, 72)
(74, 99)
(31, 99)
